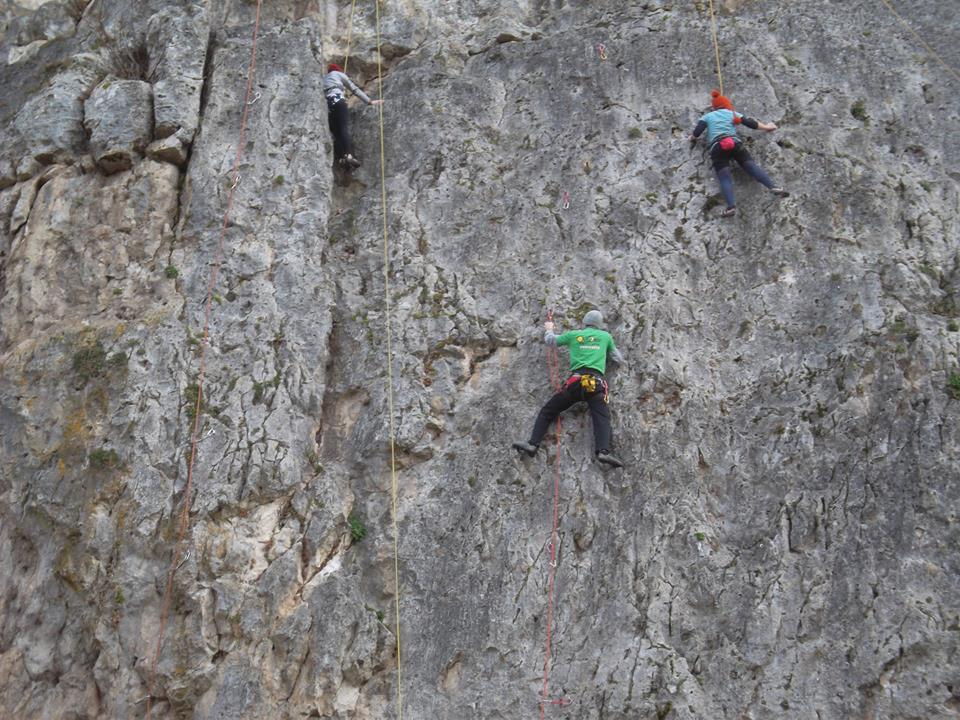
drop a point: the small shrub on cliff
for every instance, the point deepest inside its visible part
(953, 386)
(89, 362)
(859, 111)
(104, 459)
(131, 62)
(946, 306)
(75, 8)
(190, 400)
(357, 530)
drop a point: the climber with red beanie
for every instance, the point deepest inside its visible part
(720, 124)
(335, 84)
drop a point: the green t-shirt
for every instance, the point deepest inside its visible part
(588, 348)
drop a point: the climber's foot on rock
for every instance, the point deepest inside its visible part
(525, 447)
(605, 457)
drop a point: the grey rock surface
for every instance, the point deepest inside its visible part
(168, 149)
(49, 125)
(783, 541)
(177, 37)
(51, 20)
(118, 117)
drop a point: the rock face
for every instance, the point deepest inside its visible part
(783, 540)
(118, 117)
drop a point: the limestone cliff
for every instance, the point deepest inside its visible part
(783, 542)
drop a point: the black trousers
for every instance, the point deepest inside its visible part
(721, 158)
(338, 117)
(567, 397)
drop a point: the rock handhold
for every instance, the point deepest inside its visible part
(50, 21)
(168, 149)
(8, 174)
(49, 125)
(119, 118)
(27, 167)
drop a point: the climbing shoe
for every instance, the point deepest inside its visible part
(605, 457)
(350, 161)
(729, 212)
(780, 192)
(525, 447)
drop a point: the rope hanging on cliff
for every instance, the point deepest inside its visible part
(389, 331)
(553, 372)
(920, 40)
(716, 45)
(346, 58)
(184, 520)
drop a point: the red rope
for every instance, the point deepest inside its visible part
(553, 370)
(184, 520)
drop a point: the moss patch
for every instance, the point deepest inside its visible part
(102, 459)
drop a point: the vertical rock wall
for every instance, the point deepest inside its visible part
(782, 542)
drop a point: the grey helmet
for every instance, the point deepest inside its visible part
(594, 318)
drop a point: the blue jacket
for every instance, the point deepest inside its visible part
(720, 124)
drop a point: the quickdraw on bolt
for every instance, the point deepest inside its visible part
(210, 432)
(256, 97)
(565, 201)
(602, 51)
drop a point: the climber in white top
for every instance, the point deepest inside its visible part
(335, 84)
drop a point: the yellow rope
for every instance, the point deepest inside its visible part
(386, 296)
(346, 58)
(716, 45)
(920, 40)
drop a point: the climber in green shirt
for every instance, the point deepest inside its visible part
(589, 348)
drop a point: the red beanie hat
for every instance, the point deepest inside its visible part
(720, 101)
(333, 67)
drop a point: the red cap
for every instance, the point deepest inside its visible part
(333, 67)
(720, 101)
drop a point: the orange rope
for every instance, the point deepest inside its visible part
(184, 520)
(716, 45)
